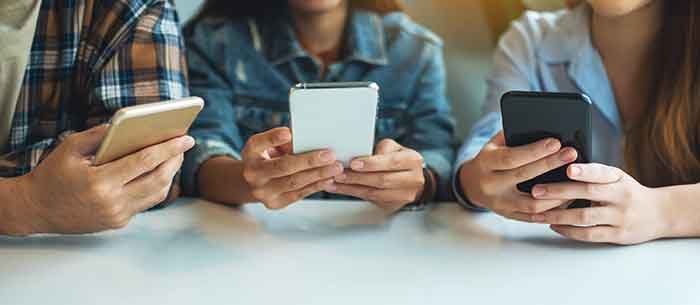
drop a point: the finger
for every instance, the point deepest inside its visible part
(577, 190)
(387, 146)
(146, 160)
(302, 179)
(396, 161)
(499, 139)
(581, 217)
(87, 142)
(258, 144)
(154, 187)
(528, 205)
(524, 217)
(388, 180)
(506, 158)
(595, 173)
(291, 164)
(289, 198)
(597, 234)
(374, 195)
(542, 166)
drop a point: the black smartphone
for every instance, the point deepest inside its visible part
(532, 116)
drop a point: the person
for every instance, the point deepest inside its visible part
(245, 57)
(64, 71)
(637, 61)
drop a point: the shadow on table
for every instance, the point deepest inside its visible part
(491, 231)
(313, 222)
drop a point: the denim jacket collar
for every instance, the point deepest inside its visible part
(364, 42)
(571, 45)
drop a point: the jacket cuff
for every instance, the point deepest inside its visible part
(441, 168)
(200, 153)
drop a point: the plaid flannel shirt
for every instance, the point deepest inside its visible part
(90, 58)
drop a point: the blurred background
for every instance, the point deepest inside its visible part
(470, 29)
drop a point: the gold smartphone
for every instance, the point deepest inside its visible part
(137, 127)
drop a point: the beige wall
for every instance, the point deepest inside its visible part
(468, 48)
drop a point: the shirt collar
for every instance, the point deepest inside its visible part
(571, 45)
(365, 40)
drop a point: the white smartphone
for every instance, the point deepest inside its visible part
(137, 127)
(336, 116)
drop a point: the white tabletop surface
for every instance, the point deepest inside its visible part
(339, 253)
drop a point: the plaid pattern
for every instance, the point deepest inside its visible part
(88, 59)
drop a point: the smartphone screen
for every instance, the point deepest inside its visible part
(532, 116)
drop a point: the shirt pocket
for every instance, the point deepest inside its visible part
(255, 114)
(393, 121)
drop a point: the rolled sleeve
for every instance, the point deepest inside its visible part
(204, 150)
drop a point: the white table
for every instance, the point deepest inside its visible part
(339, 253)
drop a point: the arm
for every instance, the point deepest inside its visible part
(511, 70)
(432, 129)
(682, 211)
(17, 215)
(214, 165)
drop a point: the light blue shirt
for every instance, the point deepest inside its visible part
(550, 52)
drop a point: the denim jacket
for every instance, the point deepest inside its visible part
(244, 69)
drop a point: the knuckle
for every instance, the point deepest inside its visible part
(148, 158)
(273, 204)
(249, 174)
(281, 165)
(592, 189)
(293, 183)
(383, 181)
(507, 159)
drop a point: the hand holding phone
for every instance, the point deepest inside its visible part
(491, 179)
(277, 178)
(544, 132)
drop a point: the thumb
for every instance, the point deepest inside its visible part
(86, 143)
(499, 139)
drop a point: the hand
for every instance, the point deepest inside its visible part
(391, 179)
(277, 178)
(490, 180)
(624, 212)
(71, 195)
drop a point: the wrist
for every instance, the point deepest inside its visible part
(22, 210)
(464, 179)
(221, 180)
(678, 213)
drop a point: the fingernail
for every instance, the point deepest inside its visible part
(539, 191)
(575, 170)
(188, 142)
(552, 145)
(336, 170)
(357, 165)
(326, 156)
(568, 155)
(341, 178)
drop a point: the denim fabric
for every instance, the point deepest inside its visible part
(245, 68)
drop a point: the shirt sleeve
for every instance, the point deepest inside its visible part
(145, 64)
(513, 67)
(149, 66)
(432, 124)
(215, 131)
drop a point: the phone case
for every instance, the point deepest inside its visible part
(336, 116)
(137, 127)
(532, 116)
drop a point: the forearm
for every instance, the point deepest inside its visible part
(221, 180)
(682, 210)
(18, 215)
